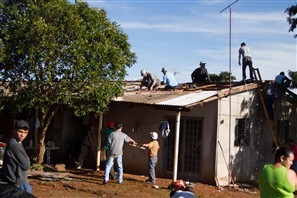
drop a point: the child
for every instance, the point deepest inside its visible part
(153, 157)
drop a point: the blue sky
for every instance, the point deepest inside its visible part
(179, 34)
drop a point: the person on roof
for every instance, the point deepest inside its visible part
(153, 147)
(245, 52)
(149, 80)
(168, 79)
(282, 80)
(200, 74)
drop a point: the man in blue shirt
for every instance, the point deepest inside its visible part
(168, 79)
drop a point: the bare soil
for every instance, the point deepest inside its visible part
(88, 183)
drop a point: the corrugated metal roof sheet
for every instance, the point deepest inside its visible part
(188, 99)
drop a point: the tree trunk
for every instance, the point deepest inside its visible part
(45, 119)
(41, 149)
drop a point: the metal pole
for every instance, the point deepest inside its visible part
(175, 163)
(100, 124)
(230, 85)
(230, 110)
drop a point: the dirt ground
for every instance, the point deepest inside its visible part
(88, 183)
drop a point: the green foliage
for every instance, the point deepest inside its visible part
(54, 52)
(292, 18)
(224, 76)
(293, 75)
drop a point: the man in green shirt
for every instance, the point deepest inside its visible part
(105, 134)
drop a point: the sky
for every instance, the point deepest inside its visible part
(178, 34)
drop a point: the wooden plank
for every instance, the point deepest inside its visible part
(270, 123)
(235, 90)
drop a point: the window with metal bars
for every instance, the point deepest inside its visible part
(189, 146)
(242, 132)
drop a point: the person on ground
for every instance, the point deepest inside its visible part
(149, 80)
(168, 79)
(85, 145)
(277, 179)
(282, 80)
(16, 162)
(181, 189)
(105, 134)
(116, 142)
(200, 74)
(293, 148)
(245, 52)
(153, 147)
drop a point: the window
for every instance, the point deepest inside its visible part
(189, 146)
(242, 132)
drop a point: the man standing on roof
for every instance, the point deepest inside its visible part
(200, 74)
(168, 79)
(149, 80)
(246, 54)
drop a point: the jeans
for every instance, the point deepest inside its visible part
(247, 62)
(26, 187)
(109, 163)
(152, 163)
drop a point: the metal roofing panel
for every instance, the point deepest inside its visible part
(188, 99)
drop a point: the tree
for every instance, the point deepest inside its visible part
(222, 77)
(292, 19)
(56, 53)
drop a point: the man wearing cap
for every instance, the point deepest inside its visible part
(149, 80)
(16, 162)
(153, 147)
(200, 74)
(246, 54)
(168, 79)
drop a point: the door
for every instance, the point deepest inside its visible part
(189, 147)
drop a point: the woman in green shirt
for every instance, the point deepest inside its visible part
(277, 179)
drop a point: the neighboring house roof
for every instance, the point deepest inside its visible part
(180, 99)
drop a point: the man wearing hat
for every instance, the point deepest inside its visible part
(16, 162)
(153, 147)
(200, 74)
(149, 80)
(168, 79)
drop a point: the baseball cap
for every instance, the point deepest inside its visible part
(202, 63)
(164, 69)
(21, 124)
(154, 135)
(142, 72)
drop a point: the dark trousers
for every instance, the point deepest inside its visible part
(247, 62)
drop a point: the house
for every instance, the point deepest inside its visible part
(219, 130)
(223, 137)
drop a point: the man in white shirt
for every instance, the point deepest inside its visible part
(246, 54)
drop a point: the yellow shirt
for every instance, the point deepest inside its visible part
(154, 147)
